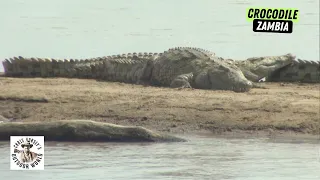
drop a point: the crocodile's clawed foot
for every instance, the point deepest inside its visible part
(180, 84)
(182, 81)
(185, 87)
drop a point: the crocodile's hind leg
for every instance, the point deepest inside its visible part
(182, 81)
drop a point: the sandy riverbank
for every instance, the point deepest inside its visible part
(281, 109)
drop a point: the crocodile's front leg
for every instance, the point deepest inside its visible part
(182, 81)
(254, 79)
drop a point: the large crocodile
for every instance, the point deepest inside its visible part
(256, 68)
(280, 68)
(299, 71)
(177, 67)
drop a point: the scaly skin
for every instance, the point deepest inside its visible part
(256, 68)
(178, 67)
(298, 71)
(182, 67)
(283, 68)
(191, 67)
(125, 68)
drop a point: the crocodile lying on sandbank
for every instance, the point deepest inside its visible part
(177, 67)
(280, 69)
(82, 131)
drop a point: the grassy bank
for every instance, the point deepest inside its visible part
(279, 108)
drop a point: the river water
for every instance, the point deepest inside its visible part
(202, 157)
(90, 28)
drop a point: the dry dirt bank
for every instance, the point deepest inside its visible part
(280, 108)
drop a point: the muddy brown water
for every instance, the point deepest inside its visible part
(202, 157)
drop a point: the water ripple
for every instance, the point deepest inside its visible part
(201, 158)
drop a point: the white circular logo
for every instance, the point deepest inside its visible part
(27, 152)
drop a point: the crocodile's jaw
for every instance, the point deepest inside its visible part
(265, 66)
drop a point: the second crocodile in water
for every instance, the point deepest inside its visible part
(183, 67)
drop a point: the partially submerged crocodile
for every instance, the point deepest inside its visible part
(177, 67)
(83, 131)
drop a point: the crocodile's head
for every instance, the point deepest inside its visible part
(224, 76)
(259, 67)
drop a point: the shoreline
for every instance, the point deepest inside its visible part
(281, 111)
(268, 135)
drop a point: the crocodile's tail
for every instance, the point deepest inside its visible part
(47, 67)
(71, 68)
(299, 71)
